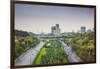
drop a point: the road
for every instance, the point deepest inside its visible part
(28, 57)
(72, 57)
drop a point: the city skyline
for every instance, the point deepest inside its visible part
(40, 18)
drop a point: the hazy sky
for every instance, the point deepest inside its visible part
(39, 18)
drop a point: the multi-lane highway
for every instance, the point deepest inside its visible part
(28, 57)
(72, 57)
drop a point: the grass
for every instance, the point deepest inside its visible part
(51, 53)
(38, 59)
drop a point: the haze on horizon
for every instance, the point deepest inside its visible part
(40, 18)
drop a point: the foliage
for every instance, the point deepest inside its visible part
(39, 60)
(23, 42)
(21, 33)
(83, 45)
(54, 53)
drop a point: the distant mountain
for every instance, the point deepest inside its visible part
(21, 33)
(32, 33)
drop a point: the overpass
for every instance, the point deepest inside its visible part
(50, 37)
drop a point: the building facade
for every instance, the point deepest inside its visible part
(83, 29)
(55, 30)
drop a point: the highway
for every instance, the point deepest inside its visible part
(72, 57)
(29, 56)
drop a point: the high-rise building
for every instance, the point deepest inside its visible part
(55, 30)
(89, 30)
(57, 25)
(83, 29)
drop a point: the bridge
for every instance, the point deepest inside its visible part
(50, 37)
(54, 36)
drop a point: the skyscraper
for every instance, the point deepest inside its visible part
(89, 30)
(55, 30)
(83, 29)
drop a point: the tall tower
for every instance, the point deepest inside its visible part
(57, 25)
(83, 29)
(55, 30)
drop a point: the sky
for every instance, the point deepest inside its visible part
(40, 18)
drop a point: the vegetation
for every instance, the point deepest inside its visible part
(39, 60)
(51, 53)
(21, 33)
(23, 42)
(83, 45)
